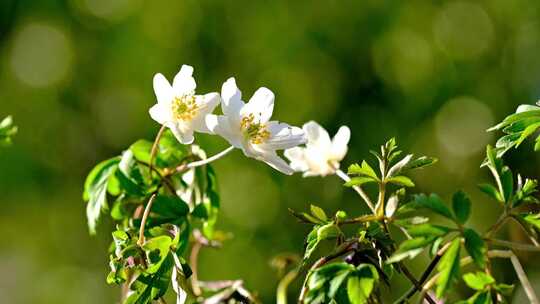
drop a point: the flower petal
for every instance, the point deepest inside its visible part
(220, 125)
(160, 113)
(261, 105)
(163, 89)
(283, 136)
(207, 103)
(183, 82)
(339, 143)
(276, 162)
(317, 136)
(182, 133)
(232, 100)
(296, 157)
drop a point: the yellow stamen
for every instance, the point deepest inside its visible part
(256, 132)
(184, 107)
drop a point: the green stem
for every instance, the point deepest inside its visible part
(283, 284)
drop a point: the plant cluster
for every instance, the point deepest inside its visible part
(7, 131)
(164, 201)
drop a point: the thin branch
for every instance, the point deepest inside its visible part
(154, 147)
(523, 279)
(141, 240)
(531, 238)
(193, 260)
(513, 245)
(204, 161)
(358, 189)
(498, 224)
(424, 277)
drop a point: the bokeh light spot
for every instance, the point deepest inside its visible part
(463, 30)
(112, 10)
(396, 54)
(461, 126)
(41, 55)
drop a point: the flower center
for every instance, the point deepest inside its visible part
(256, 132)
(184, 107)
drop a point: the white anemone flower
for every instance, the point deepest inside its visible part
(322, 155)
(247, 126)
(178, 108)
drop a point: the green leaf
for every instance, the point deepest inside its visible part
(507, 182)
(527, 132)
(434, 203)
(358, 181)
(328, 231)
(491, 191)
(476, 247)
(318, 234)
(318, 212)
(461, 206)
(531, 219)
(401, 181)
(149, 287)
(141, 150)
(170, 152)
(365, 169)
(129, 176)
(361, 283)
(419, 163)
(410, 248)
(95, 191)
(169, 208)
(448, 268)
(156, 249)
(427, 230)
(504, 289)
(478, 280)
(325, 283)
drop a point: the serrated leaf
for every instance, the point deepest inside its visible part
(419, 163)
(364, 169)
(95, 190)
(360, 180)
(478, 280)
(461, 206)
(448, 268)
(476, 247)
(401, 181)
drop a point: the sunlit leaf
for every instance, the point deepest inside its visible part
(95, 190)
(448, 268)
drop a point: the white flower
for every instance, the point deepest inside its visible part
(322, 155)
(248, 126)
(178, 107)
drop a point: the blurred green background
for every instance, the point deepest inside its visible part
(77, 77)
